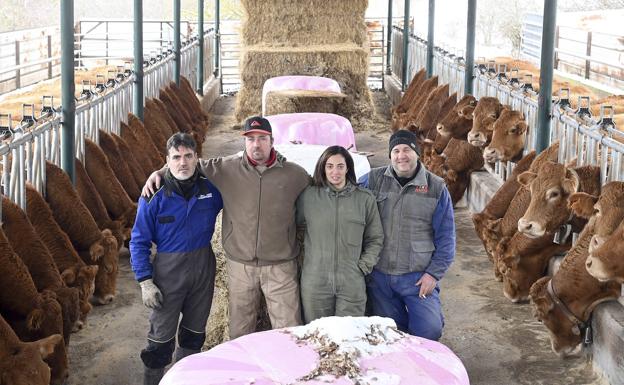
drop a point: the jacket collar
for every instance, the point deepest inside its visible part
(420, 179)
(347, 190)
(277, 158)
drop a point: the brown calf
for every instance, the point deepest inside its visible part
(29, 247)
(550, 189)
(121, 167)
(31, 314)
(485, 113)
(508, 135)
(144, 137)
(74, 271)
(458, 122)
(21, 363)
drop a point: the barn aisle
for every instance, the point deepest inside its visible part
(499, 342)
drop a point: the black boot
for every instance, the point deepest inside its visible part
(180, 353)
(152, 376)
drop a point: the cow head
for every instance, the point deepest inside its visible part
(550, 189)
(485, 113)
(24, 365)
(106, 277)
(459, 120)
(515, 284)
(565, 335)
(508, 134)
(609, 212)
(605, 263)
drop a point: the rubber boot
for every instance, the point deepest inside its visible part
(180, 353)
(152, 376)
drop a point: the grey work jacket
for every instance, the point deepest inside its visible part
(406, 213)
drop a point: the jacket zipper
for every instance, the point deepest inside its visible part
(336, 243)
(258, 219)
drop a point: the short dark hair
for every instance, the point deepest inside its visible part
(320, 179)
(181, 139)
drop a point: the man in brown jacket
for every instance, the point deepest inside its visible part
(259, 191)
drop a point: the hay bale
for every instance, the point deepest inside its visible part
(345, 63)
(292, 101)
(304, 22)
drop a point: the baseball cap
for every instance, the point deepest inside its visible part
(257, 124)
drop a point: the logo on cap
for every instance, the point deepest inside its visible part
(255, 123)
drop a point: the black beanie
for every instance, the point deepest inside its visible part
(404, 137)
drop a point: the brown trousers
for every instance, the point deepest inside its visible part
(280, 287)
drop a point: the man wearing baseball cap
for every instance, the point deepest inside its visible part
(259, 191)
(419, 246)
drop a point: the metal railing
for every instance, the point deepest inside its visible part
(24, 154)
(588, 140)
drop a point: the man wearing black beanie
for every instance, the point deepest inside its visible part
(419, 246)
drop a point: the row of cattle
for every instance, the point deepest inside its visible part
(61, 253)
(530, 217)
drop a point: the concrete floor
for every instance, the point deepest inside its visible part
(499, 342)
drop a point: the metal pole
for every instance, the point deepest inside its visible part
(406, 16)
(544, 106)
(137, 85)
(431, 23)
(176, 41)
(68, 103)
(200, 57)
(389, 40)
(217, 69)
(470, 43)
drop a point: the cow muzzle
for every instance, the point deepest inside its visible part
(490, 155)
(596, 269)
(530, 228)
(476, 139)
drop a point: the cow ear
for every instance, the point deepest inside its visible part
(68, 276)
(47, 345)
(526, 178)
(519, 129)
(571, 182)
(582, 204)
(494, 225)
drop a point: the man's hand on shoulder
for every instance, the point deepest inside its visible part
(152, 184)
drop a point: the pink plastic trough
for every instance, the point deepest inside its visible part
(277, 357)
(298, 82)
(312, 128)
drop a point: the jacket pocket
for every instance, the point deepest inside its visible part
(354, 230)
(421, 254)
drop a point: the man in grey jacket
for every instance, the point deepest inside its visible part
(419, 244)
(259, 191)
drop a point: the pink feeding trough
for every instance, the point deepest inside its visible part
(298, 82)
(376, 354)
(312, 128)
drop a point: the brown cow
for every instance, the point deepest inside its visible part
(191, 97)
(31, 314)
(423, 92)
(573, 295)
(133, 164)
(153, 112)
(121, 166)
(29, 247)
(146, 140)
(485, 113)
(164, 115)
(427, 116)
(143, 159)
(74, 271)
(605, 260)
(92, 200)
(498, 204)
(508, 136)
(410, 93)
(523, 260)
(71, 214)
(21, 363)
(550, 189)
(117, 202)
(167, 96)
(458, 122)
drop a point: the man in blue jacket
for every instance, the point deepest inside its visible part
(179, 219)
(419, 245)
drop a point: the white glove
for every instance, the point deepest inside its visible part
(152, 297)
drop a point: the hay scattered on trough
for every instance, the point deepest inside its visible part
(291, 101)
(304, 22)
(345, 63)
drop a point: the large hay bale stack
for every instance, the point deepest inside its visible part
(292, 101)
(305, 37)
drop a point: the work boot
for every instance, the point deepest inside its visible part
(180, 353)
(152, 376)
